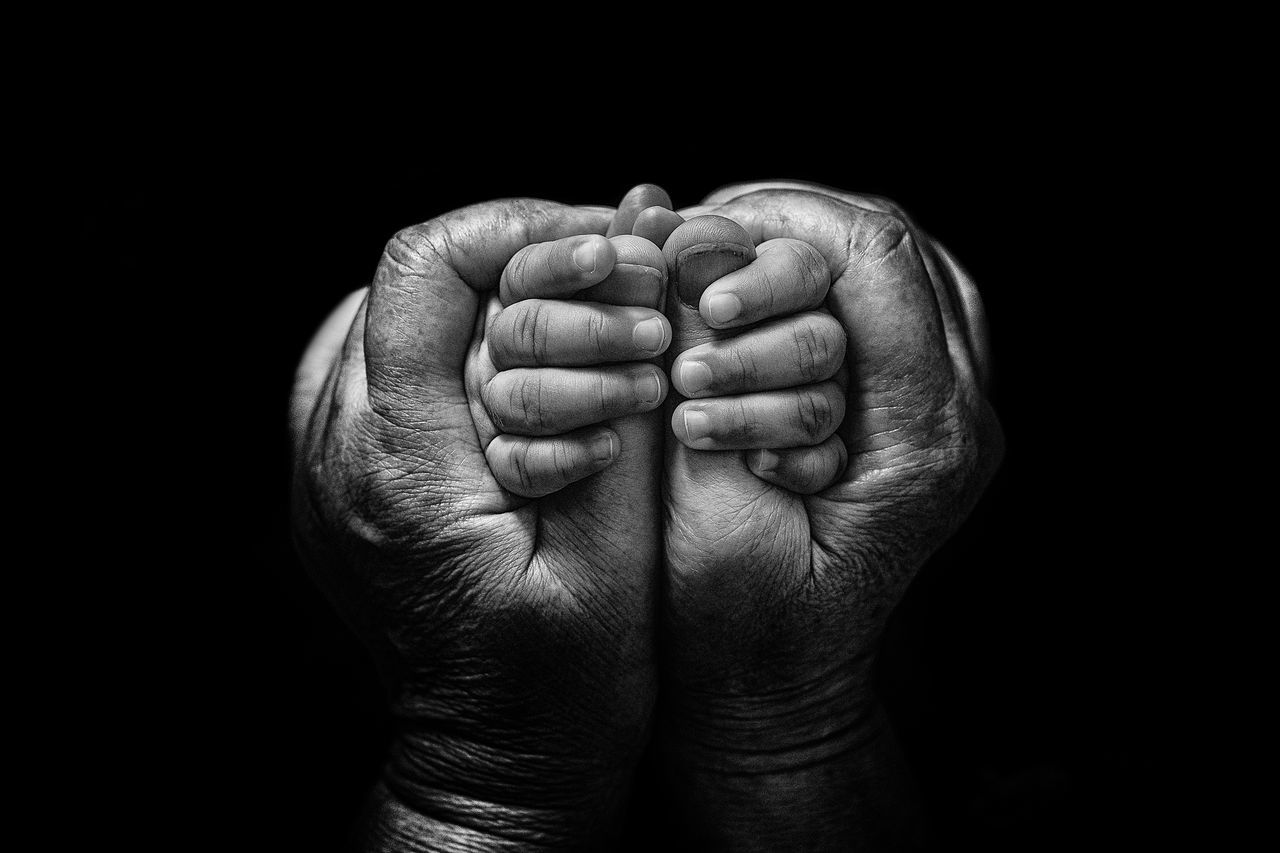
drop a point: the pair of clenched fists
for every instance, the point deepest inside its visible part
(539, 555)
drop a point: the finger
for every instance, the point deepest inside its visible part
(426, 295)
(805, 470)
(961, 307)
(557, 333)
(703, 250)
(637, 199)
(798, 350)
(533, 467)
(787, 276)
(883, 295)
(796, 417)
(551, 400)
(557, 268)
(639, 275)
(655, 224)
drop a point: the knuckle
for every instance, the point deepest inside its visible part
(562, 461)
(890, 235)
(812, 350)
(594, 328)
(747, 423)
(491, 396)
(527, 401)
(409, 247)
(518, 461)
(771, 287)
(514, 274)
(410, 252)
(815, 414)
(746, 367)
(811, 266)
(529, 330)
(599, 392)
(541, 331)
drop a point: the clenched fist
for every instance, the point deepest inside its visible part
(477, 493)
(833, 433)
(492, 492)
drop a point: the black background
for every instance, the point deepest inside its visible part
(1030, 671)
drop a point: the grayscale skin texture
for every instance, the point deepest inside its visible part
(514, 633)
(529, 549)
(777, 588)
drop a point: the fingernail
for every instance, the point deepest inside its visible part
(768, 462)
(603, 448)
(694, 376)
(723, 307)
(649, 335)
(584, 257)
(696, 425)
(648, 389)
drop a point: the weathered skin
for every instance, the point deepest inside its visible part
(774, 601)
(515, 635)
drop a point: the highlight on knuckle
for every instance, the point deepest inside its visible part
(891, 236)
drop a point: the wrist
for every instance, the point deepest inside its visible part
(774, 726)
(530, 796)
(802, 770)
(391, 824)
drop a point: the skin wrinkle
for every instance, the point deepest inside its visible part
(801, 561)
(394, 315)
(836, 564)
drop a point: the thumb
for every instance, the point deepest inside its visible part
(699, 252)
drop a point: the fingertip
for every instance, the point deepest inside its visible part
(638, 277)
(702, 250)
(692, 427)
(652, 336)
(637, 199)
(656, 224)
(594, 257)
(691, 377)
(719, 309)
(652, 388)
(605, 447)
(630, 249)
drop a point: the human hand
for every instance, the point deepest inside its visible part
(813, 473)
(491, 543)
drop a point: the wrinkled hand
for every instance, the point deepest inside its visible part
(813, 473)
(476, 492)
